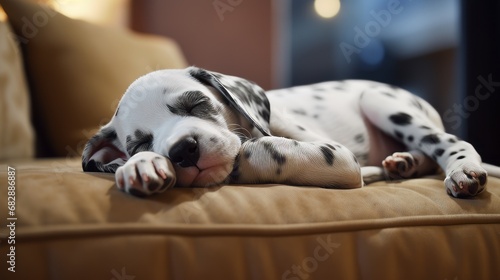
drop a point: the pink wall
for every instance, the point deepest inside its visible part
(236, 39)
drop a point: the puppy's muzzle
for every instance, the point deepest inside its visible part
(185, 152)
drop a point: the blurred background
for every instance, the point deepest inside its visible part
(446, 51)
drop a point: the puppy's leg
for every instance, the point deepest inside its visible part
(402, 165)
(282, 160)
(415, 123)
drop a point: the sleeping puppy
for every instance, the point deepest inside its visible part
(197, 128)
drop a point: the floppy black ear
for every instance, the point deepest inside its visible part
(246, 97)
(103, 152)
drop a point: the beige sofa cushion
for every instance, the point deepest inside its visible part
(78, 71)
(75, 225)
(16, 131)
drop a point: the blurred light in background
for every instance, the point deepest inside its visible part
(2, 14)
(109, 12)
(327, 8)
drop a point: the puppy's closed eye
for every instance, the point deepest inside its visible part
(195, 104)
(201, 105)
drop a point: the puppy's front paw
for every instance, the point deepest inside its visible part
(144, 174)
(466, 180)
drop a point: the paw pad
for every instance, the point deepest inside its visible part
(400, 166)
(466, 181)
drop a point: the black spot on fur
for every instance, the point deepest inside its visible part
(317, 97)
(401, 119)
(117, 109)
(277, 156)
(265, 114)
(453, 153)
(410, 138)
(399, 134)
(331, 147)
(430, 139)
(300, 127)
(301, 112)
(295, 142)
(247, 154)
(461, 157)
(438, 152)
(452, 140)
(327, 154)
(424, 127)
(360, 138)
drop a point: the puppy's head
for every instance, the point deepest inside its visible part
(196, 118)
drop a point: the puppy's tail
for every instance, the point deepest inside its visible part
(492, 170)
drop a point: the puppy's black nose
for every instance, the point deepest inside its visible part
(185, 153)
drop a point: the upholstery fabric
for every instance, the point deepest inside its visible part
(75, 225)
(78, 71)
(17, 136)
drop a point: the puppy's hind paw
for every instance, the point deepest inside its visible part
(466, 181)
(400, 166)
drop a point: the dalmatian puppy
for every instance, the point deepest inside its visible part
(196, 128)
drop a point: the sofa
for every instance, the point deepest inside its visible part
(60, 80)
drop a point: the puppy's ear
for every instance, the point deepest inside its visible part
(103, 152)
(246, 97)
